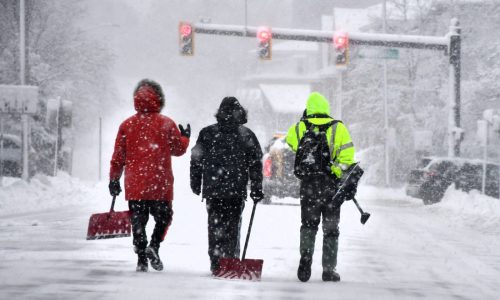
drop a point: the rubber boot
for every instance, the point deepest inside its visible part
(304, 270)
(330, 275)
(307, 240)
(154, 258)
(214, 264)
(142, 261)
(329, 261)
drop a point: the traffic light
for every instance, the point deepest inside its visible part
(186, 38)
(264, 36)
(341, 44)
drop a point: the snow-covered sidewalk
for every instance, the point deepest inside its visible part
(405, 251)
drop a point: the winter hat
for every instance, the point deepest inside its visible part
(148, 96)
(230, 111)
(317, 104)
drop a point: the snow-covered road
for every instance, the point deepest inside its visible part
(405, 251)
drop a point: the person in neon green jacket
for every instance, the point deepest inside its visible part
(316, 193)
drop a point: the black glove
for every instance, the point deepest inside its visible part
(185, 132)
(114, 187)
(256, 196)
(350, 193)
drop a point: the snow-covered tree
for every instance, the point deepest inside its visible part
(62, 60)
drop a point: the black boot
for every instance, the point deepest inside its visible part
(154, 258)
(330, 275)
(214, 265)
(142, 261)
(304, 271)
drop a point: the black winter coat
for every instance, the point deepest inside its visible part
(226, 156)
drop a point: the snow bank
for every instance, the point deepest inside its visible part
(473, 209)
(46, 192)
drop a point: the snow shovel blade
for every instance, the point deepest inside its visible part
(364, 217)
(109, 225)
(234, 268)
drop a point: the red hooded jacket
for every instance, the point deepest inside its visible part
(144, 146)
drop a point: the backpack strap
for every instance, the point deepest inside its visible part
(297, 130)
(332, 138)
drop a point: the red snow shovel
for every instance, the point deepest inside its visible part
(109, 225)
(234, 268)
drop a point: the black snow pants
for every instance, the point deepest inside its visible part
(161, 212)
(224, 223)
(316, 197)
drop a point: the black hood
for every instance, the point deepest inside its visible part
(231, 112)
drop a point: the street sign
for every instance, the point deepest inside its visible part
(384, 53)
(20, 99)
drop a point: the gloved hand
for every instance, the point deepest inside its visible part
(185, 131)
(256, 196)
(114, 187)
(350, 192)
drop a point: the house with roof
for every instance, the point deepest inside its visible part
(275, 91)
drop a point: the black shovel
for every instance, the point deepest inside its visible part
(354, 174)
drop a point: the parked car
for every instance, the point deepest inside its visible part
(434, 175)
(11, 156)
(279, 180)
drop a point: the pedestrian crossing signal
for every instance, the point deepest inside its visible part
(264, 36)
(341, 45)
(186, 39)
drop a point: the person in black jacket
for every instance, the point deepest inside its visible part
(226, 155)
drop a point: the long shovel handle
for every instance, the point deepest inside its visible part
(249, 230)
(112, 209)
(357, 205)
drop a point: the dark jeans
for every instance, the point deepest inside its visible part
(161, 212)
(224, 223)
(316, 203)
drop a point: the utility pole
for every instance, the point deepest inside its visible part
(22, 79)
(246, 14)
(341, 94)
(22, 42)
(1, 147)
(386, 112)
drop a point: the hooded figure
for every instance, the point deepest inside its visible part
(226, 156)
(143, 148)
(317, 191)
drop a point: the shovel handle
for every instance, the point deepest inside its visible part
(249, 230)
(112, 209)
(357, 205)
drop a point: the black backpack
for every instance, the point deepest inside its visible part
(313, 153)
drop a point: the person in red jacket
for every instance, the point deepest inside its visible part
(143, 147)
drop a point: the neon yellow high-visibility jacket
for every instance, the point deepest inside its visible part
(338, 137)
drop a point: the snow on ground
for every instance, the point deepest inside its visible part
(406, 250)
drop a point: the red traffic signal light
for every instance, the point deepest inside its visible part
(185, 29)
(186, 38)
(340, 40)
(264, 36)
(341, 45)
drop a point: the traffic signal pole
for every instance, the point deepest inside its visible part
(456, 133)
(449, 44)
